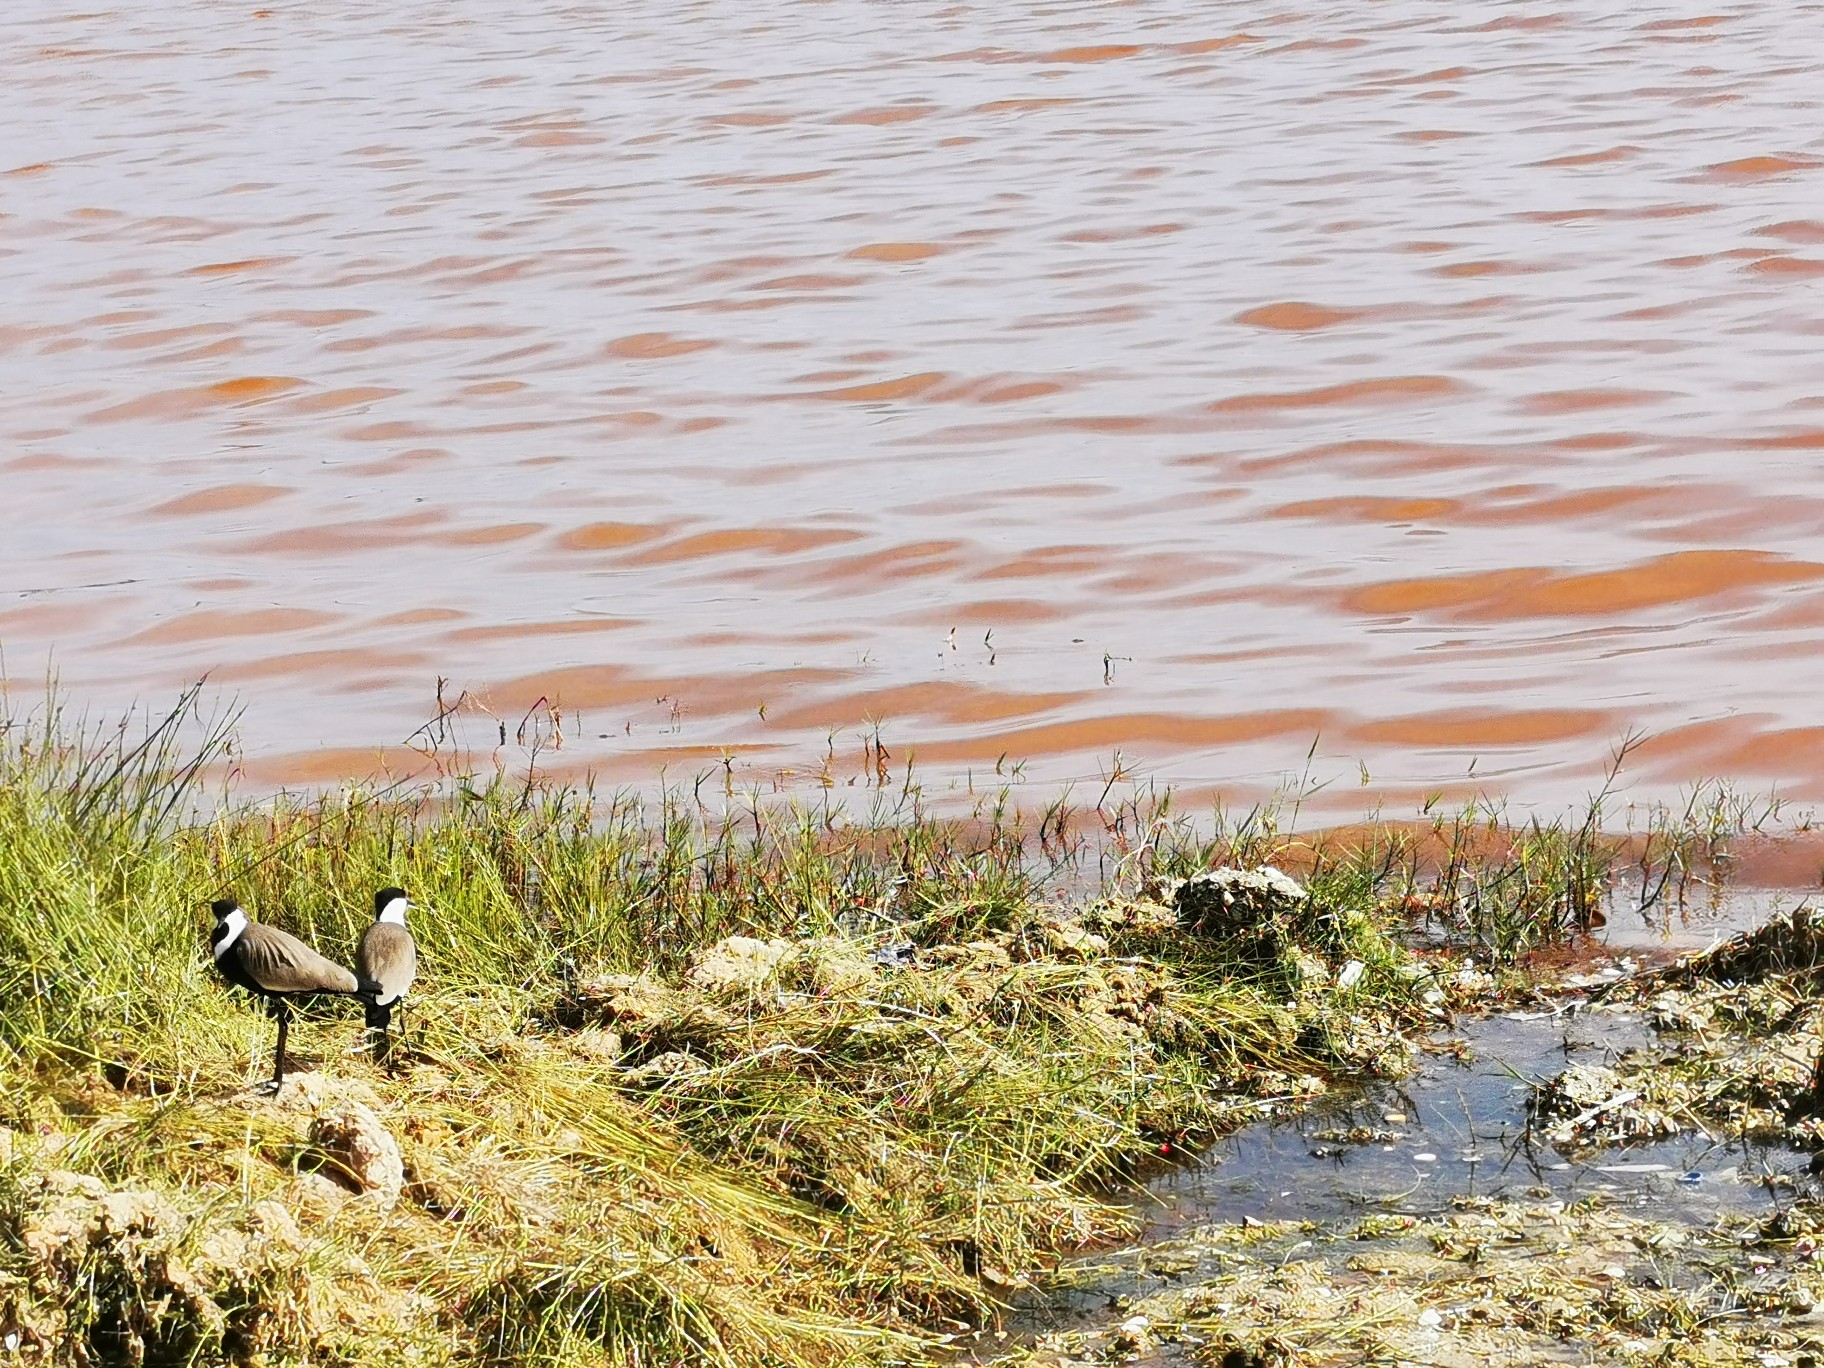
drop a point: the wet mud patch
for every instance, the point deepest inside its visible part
(1479, 1210)
(1736, 1049)
(1485, 1282)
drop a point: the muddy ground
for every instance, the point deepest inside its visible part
(1617, 1171)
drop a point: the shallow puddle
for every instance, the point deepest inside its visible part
(1457, 1128)
(1351, 1181)
(1711, 914)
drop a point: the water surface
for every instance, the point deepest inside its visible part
(1033, 381)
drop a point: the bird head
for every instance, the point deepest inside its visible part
(390, 904)
(230, 921)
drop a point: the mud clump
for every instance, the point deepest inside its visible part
(343, 1137)
(1265, 918)
(353, 1146)
(740, 964)
(1741, 1039)
(1589, 1104)
(1488, 1283)
(165, 1280)
(1241, 905)
(1779, 948)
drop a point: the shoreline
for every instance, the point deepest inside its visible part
(743, 1088)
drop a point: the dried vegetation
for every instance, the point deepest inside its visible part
(1486, 1283)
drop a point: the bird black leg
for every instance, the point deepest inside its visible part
(282, 1010)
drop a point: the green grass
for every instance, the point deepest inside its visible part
(611, 1156)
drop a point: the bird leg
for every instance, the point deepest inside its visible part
(282, 1010)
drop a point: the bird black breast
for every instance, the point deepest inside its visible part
(231, 965)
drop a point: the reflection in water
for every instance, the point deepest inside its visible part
(1447, 389)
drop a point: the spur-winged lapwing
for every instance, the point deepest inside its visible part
(387, 962)
(272, 965)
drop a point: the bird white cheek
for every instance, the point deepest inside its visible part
(394, 912)
(236, 922)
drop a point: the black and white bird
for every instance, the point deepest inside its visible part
(273, 965)
(386, 962)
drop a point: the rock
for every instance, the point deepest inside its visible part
(355, 1148)
(1068, 938)
(740, 963)
(1229, 900)
(604, 1047)
(317, 1193)
(668, 1067)
(1577, 1090)
(839, 966)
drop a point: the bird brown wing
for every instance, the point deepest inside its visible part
(389, 957)
(281, 963)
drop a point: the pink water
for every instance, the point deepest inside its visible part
(1441, 382)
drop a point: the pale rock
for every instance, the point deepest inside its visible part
(671, 1066)
(357, 1148)
(1220, 898)
(740, 963)
(1067, 938)
(603, 1046)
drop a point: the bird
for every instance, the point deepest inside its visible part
(386, 962)
(273, 965)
